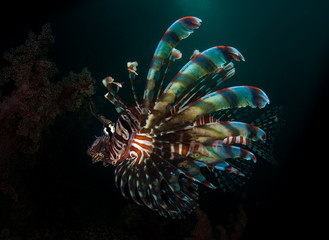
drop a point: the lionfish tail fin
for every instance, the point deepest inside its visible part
(271, 122)
(234, 182)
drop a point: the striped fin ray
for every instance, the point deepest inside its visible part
(132, 83)
(121, 179)
(170, 175)
(170, 62)
(270, 122)
(186, 165)
(132, 68)
(128, 178)
(175, 54)
(214, 155)
(234, 97)
(154, 185)
(119, 170)
(163, 196)
(179, 30)
(116, 101)
(119, 104)
(237, 140)
(203, 120)
(207, 129)
(207, 85)
(144, 179)
(133, 175)
(176, 199)
(143, 189)
(158, 184)
(179, 207)
(227, 180)
(225, 130)
(204, 63)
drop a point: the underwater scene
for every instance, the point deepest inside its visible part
(156, 120)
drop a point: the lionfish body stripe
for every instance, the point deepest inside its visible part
(160, 145)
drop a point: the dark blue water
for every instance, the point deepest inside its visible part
(285, 45)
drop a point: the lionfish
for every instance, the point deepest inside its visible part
(160, 145)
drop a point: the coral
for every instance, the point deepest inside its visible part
(30, 98)
(237, 226)
(6, 188)
(89, 232)
(202, 230)
(234, 230)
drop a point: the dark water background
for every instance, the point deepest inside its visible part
(285, 44)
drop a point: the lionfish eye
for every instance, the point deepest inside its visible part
(109, 130)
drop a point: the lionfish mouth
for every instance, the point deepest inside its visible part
(99, 149)
(98, 157)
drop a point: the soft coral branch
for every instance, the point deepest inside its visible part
(32, 101)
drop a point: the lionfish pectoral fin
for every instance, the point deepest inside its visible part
(234, 97)
(170, 175)
(175, 153)
(230, 164)
(225, 132)
(156, 184)
(132, 186)
(212, 155)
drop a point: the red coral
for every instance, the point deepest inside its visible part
(234, 231)
(6, 188)
(202, 230)
(238, 225)
(74, 89)
(29, 100)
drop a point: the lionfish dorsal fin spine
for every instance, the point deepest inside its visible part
(175, 55)
(132, 71)
(112, 95)
(202, 64)
(179, 30)
(206, 85)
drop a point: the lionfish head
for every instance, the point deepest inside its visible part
(99, 150)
